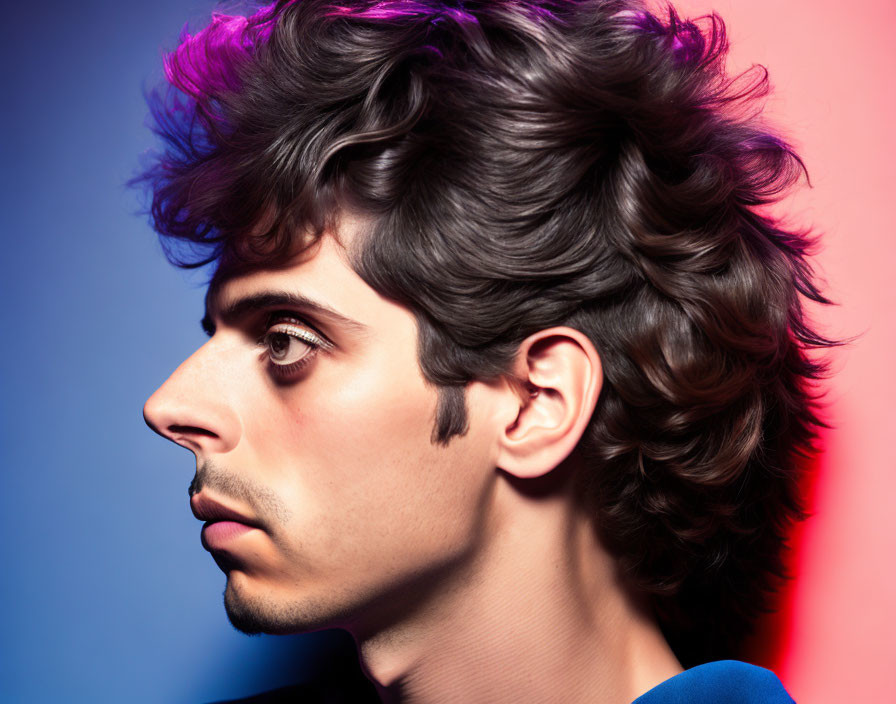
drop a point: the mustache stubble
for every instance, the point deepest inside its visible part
(265, 502)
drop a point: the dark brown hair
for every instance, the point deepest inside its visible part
(527, 164)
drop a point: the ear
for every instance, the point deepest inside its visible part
(559, 377)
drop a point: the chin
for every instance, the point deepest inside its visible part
(252, 613)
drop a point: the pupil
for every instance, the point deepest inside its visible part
(279, 344)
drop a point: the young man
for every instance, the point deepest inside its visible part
(507, 367)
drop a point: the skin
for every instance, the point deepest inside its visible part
(465, 572)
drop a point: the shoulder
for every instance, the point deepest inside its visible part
(721, 682)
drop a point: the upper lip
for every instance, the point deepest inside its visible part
(207, 509)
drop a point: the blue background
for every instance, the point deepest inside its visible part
(106, 593)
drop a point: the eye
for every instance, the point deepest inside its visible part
(290, 344)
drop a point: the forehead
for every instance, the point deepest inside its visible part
(320, 280)
(308, 271)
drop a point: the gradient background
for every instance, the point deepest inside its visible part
(106, 593)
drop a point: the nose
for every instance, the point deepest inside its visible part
(191, 407)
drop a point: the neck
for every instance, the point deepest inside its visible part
(538, 615)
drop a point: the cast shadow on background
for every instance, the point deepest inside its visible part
(317, 668)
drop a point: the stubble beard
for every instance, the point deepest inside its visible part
(253, 613)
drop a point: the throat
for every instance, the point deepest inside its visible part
(542, 618)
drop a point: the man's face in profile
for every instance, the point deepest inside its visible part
(311, 424)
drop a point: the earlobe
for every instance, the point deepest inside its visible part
(558, 380)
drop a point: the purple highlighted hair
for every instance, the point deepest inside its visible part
(526, 164)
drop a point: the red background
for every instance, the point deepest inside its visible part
(832, 66)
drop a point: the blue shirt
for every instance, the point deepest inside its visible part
(722, 682)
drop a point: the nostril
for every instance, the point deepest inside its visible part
(190, 430)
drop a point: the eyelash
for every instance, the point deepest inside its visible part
(298, 329)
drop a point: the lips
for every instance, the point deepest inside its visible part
(207, 509)
(223, 525)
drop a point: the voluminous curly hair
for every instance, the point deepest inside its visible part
(527, 164)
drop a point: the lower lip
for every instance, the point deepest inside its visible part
(220, 534)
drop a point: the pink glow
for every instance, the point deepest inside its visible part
(208, 62)
(403, 8)
(836, 637)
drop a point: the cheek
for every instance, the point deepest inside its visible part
(345, 434)
(370, 432)
(348, 448)
(376, 406)
(359, 462)
(379, 409)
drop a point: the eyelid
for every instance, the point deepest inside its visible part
(302, 333)
(291, 324)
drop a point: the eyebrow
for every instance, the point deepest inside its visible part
(239, 308)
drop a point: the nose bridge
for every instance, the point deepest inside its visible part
(194, 407)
